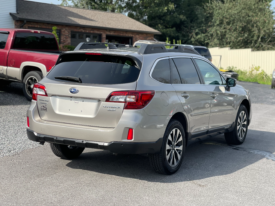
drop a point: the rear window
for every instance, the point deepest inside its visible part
(3, 40)
(35, 41)
(203, 51)
(96, 69)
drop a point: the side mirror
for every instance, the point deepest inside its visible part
(230, 82)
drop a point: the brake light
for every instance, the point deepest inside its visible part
(130, 135)
(28, 122)
(96, 54)
(38, 90)
(132, 99)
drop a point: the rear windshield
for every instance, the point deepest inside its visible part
(203, 51)
(35, 41)
(96, 69)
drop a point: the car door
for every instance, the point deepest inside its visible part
(194, 96)
(223, 100)
(3, 53)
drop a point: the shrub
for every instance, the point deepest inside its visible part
(54, 32)
(253, 75)
(68, 48)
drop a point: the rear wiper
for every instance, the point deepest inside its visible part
(69, 78)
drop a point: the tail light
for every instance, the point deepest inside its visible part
(38, 90)
(28, 122)
(132, 99)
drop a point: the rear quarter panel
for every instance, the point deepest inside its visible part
(18, 59)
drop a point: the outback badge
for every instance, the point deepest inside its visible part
(74, 90)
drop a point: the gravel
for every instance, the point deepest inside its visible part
(13, 107)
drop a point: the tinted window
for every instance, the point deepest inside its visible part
(3, 40)
(58, 31)
(203, 51)
(209, 73)
(187, 70)
(161, 71)
(35, 41)
(175, 78)
(96, 69)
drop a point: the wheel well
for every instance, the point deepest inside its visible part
(245, 102)
(28, 69)
(182, 119)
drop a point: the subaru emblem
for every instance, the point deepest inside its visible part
(74, 90)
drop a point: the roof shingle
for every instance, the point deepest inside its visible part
(55, 14)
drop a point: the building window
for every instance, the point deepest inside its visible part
(79, 37)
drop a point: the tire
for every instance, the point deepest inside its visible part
(4, 83)
(162, 162)
(29, 80)
(66, 151)
(273, 84)
(238, 135)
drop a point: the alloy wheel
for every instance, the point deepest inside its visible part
(242, 125)
(30, 84)
(174, 147)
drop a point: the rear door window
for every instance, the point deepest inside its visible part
(161, 71)
(35, 41)
(175, 78)
(96, 69)
(187, 71)
(3, 40)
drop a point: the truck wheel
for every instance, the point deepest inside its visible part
(66, 151)
(170, 157)
(29, 80)
(238, 134)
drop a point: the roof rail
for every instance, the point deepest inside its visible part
(161, 48)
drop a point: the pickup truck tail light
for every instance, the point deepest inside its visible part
(38, 90)
(132, 99)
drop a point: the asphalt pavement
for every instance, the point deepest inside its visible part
(212, 173)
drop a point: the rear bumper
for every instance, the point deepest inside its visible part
(114, 147)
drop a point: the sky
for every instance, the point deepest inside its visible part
(59, 1)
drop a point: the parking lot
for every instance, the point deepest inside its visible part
(212, 173)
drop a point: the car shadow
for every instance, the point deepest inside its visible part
(12, 95)
(203, 159)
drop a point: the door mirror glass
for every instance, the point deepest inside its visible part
(230, 82)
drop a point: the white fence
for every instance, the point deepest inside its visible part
(243, 58)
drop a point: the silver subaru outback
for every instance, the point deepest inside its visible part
(151, 100)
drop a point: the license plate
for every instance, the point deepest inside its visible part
(72, 106)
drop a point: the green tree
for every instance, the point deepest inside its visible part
(237, 24)
(175, 19)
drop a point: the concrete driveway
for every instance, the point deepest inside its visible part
(212, 173)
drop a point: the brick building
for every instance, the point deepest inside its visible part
(75, 25)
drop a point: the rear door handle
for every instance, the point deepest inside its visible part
(186, 96)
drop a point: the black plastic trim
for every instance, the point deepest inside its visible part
(160, 48)
(114, 147)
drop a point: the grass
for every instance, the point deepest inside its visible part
(253, 75)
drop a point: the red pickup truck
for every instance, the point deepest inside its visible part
(26, 56)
